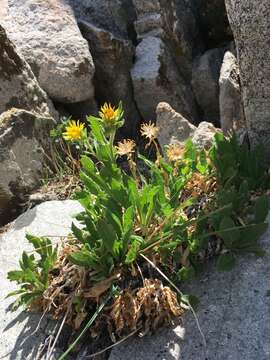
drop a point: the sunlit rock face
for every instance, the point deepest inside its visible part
(18, 85)
(47, 35)
(250, 24)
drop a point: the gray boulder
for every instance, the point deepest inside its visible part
(47, 35)
(250, 24)
(175, 128)
(22, 337)
(233, 314)
(175, 22)
(205, 77)
(230, 100)
(23, 144)
(156, 79)
(19, 87)
(113, 57)
(162, 71)
(204, 135)
(149, 20)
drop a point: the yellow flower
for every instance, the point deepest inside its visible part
(74, 131)
(127, 147)
(175, 152)
(108, 112)
(150, 131)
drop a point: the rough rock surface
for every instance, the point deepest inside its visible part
(18, 85)
(250, 24)
(204, 134)
(115, 16)
(233, 314)
(53, 219)
(108, 28)
(47, 35)
(175, 22)
(156, 78)
(230, 101)
(113, 57)
(205, 76)
(174, 128)
(169, 40)
(22, 155)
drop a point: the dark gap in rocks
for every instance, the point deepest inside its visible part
(213, 22)
(131, 15)
(10, 211)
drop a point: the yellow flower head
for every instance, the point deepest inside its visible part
(74, 131)
(150, 131)
(127, 147)
(175, 152)
(108, 112)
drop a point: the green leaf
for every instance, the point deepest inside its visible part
(190, 300)
(28, 261)
(90, 185)
(28, 298)
(128, 219)
(77, 233)
(97, 129)
(133, 250)
(16, 292)
(250, 235)
(15, 275)
(82, 258)
(226, 262)
(87, 164)
(261, 208)
(186, 273)
(228, 232)
(107, 234)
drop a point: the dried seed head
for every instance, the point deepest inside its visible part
(150, 131)
(126, 147)
(175, 152)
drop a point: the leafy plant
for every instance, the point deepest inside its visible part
(181, 209)
(34, 276)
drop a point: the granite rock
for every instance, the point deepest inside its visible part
(205, 77)
(18, 85)
(249, 20)
(23, 143)
(52, 219)
(156, 79)
(175, 128)
(230, 100)
(47, 35)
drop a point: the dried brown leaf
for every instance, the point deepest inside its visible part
(98, 289)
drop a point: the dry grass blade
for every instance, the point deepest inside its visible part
(112, 346)
(50, 349)
(87, 326)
